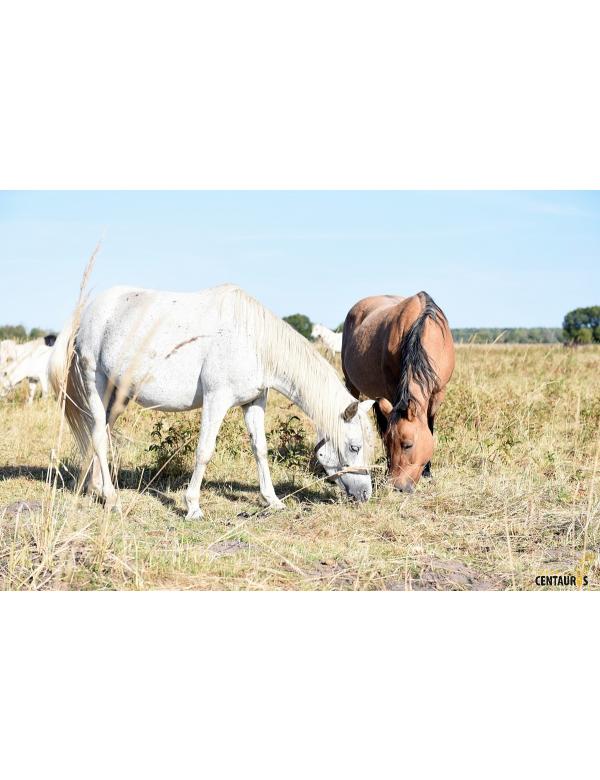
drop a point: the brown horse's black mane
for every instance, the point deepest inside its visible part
(415, 365)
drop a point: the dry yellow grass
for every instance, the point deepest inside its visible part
(512, 497)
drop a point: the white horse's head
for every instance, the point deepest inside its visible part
(317, 331)
(349, 466)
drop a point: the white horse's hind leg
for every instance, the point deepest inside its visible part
(214, 410)
(254, 415)
(96, 391)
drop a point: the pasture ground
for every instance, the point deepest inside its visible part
(513, 496)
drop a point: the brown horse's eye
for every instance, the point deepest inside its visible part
(407, 445)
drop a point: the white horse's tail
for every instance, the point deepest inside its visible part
(64, 373)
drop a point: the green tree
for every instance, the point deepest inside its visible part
(301, 323)
(582, 326)
(584, 336)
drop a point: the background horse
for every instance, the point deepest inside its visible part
(400, 351)
(25, 361)
(214, 349)
(8, 351)
(331, 339)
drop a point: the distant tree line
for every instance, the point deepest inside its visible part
(18, 333)
(508, 335)
(580, 326)
(304, 325)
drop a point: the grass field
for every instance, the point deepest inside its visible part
(512, 496)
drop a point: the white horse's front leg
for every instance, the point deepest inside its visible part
(254, 415)
(43, 380)
(214, 410)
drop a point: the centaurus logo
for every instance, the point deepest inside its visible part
(579, 579)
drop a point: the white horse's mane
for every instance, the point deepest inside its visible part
(286, 354)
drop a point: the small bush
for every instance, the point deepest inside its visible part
(288, 443)
(173, 444)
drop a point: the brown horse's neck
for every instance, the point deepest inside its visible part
(417, 377)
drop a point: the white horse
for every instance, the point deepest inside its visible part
(331, 339)
(216, 348)
(8, 351)
(26, 361)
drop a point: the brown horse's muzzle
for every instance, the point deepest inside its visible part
(404, 485)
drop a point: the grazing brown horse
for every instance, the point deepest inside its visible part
(400, 351)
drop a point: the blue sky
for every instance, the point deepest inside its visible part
(487, 258)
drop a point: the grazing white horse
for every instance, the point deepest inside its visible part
(25, 361)
(216, 348)
(331, 339)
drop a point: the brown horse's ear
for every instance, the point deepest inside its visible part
(350, 411)
(411, 411)
(385, 406)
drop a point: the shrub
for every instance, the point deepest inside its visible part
(288, 442)
(173, 443)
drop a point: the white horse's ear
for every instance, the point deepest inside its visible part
(350, 411)
(365, 406)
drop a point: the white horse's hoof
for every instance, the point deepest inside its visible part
(194, 514)
(274, 503)
(112, 503)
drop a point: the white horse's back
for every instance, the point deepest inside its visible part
(331, 339)
(168, 346)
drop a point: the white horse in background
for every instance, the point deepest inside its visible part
(25, 361)
(214, 349)
(8, 351)
(331, 339)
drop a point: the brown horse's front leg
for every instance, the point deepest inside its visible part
(427, 469)
(434, 404)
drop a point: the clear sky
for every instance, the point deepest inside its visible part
(487, 258)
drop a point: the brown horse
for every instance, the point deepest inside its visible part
(400, 351)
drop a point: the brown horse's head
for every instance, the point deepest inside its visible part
(408, 444)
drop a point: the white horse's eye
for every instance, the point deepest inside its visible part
(354, 448)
